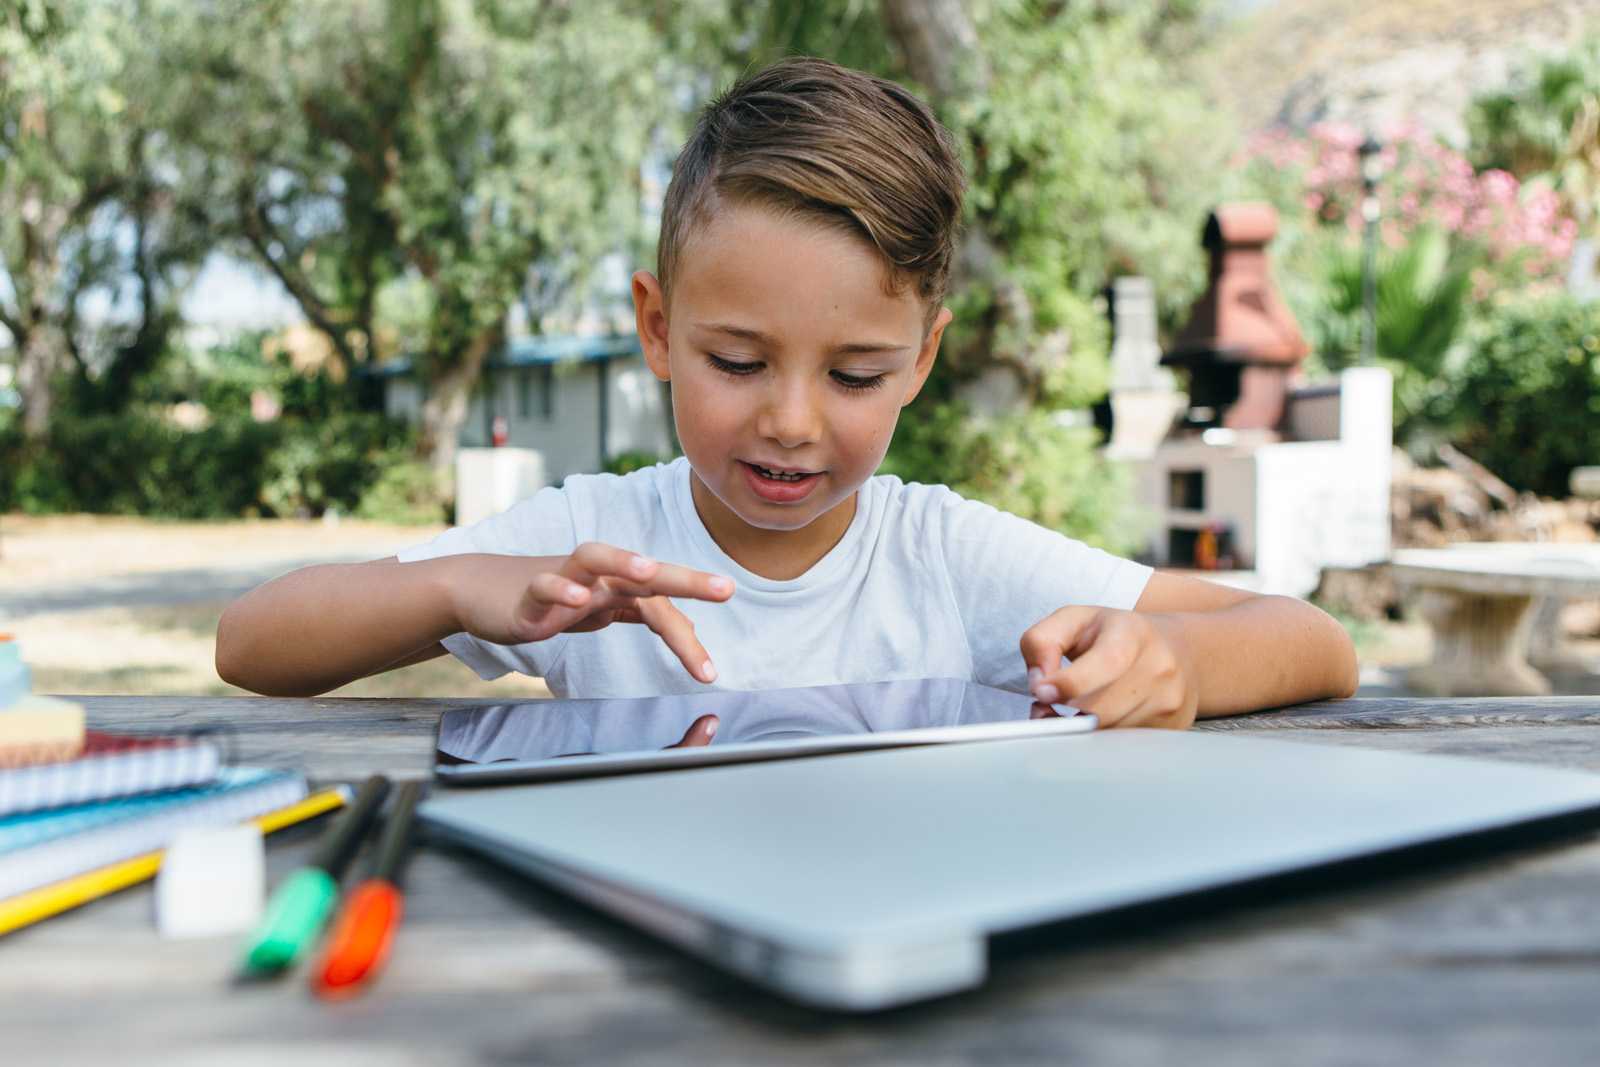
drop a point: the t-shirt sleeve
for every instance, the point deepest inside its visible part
(541, 525)
(1007, 573)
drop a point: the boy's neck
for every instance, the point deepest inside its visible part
(779, 555)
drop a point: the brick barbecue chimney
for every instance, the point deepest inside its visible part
(1241, 344)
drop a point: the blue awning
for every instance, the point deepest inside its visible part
(534, 352)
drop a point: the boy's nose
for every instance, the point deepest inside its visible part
(791, 418)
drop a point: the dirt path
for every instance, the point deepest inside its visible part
(78, 549)
(120, 605)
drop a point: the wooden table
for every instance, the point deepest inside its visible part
(1495, 960)
(1478, 600)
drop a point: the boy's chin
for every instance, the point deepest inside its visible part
(780, 524)
(781, 518)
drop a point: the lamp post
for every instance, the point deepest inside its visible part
(1371, 171)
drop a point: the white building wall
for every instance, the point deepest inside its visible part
(640, 415)
(1230, 494)
(402, 399)
(1294, 507)
(565, 427)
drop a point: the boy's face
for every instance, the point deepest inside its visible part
(785, 353)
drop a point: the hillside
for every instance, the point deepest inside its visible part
(1374, 62)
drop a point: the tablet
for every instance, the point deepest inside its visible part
(548, 740)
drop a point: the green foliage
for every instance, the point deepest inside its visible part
(1086, 158)
(1422, 290)
(1546, 124)
(405, 491)
(110, 217)
(1525, 400)
(322, 453)
(401, 165)
(134, 464)
(328, 463)
(1027, 464)
(137, 463)
(1089, 159)
(627, 462)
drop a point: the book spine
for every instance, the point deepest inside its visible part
(52, 861)
(116, 774)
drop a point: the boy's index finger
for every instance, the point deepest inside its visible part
(641, 575)
(593, 560)
(671, 579)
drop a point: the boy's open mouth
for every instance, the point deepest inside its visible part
(781, 474)
(778, 485)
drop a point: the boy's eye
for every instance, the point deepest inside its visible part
(740, 369)
(851, 381)
(728, 366)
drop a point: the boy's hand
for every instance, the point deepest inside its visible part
(1129, 668)
(509, 600)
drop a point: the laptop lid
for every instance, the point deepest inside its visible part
(865, 880)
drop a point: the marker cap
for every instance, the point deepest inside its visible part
(297, 911)
(361, 937)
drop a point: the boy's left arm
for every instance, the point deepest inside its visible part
(1189, 649)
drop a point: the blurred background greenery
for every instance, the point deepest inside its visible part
(409, 176)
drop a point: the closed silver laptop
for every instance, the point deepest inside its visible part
(864, 880)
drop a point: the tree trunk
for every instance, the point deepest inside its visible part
(43, 346)
(940, 45)
(444, 408)
(997, 370)
(39, 359)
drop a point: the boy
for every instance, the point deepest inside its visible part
(805, 248)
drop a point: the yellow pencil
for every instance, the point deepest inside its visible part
(28, 908)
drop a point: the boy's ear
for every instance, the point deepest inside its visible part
(650, 317)
(926, 354)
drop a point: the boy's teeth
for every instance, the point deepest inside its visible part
(765, 473)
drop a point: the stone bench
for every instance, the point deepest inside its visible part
(1478, 599)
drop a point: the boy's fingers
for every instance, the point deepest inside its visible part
(643, 576)
(550, 588)
(1063, 633)
(674, 628)
(1114, 702)
(673, 580)
(549, 600)
(1101, 666)
(1047, 640)
(592, 560)
(699, 733)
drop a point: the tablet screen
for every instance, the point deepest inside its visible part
(551, 729)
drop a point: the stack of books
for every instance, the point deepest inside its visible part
(83, 811)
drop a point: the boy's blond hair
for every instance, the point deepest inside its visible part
(814, 139)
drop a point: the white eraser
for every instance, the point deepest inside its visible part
(212, 882)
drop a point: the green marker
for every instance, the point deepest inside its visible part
(303, 901)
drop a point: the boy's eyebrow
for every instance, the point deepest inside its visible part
(848, 348)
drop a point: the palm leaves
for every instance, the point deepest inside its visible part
(1422, 290)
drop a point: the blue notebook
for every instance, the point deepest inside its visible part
(37, 848)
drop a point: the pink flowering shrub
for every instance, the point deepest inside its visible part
(1521, 229)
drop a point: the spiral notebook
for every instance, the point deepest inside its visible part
(108, 766)
(41, 847)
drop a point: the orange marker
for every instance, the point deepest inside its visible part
(364, 929)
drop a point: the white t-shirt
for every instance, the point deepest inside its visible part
(924, 584)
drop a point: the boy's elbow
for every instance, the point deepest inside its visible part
(235, 661)
(227, 659)
(1349, 673)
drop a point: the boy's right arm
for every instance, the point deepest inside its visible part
(320, 627)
